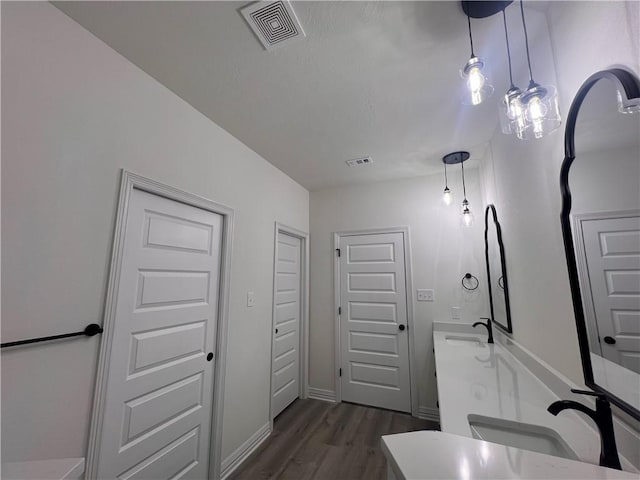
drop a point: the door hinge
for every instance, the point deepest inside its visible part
(340, 372)
(338, 251)
(339, 310)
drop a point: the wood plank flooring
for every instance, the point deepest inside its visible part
(319, 440)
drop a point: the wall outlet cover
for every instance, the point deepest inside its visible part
(455, 313)
(425, 295)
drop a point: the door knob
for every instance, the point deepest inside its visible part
(401, 327)
(609, 340)
(276, 330)
(209, 357)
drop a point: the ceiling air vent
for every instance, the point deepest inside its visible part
(274, 23)
(359, 162)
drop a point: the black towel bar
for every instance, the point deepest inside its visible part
(91, 330)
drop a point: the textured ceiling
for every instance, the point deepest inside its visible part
(377, 79)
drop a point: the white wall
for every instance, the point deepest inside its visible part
(74, 112)
(522, 178)
(442, 252)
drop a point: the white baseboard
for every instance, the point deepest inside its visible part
(233, 461)
(428, 413)
(322, 394)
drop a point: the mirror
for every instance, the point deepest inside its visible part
(496, 271)
(600, 182)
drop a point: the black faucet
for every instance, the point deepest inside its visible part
(602, 416)
(488, 327)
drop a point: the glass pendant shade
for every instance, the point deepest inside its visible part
(512, 119)
(541, 113)
(466, 220)
(628, 106)
(447, 197)
(477, 85)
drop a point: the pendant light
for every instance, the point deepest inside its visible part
(477, 85)
(539, 103)
(510, 110)
(466, 218)
(447, 196)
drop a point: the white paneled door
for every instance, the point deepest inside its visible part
(612, 248)
(157, 409)
(285, 379)
(373, 321)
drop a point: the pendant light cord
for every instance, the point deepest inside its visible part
(446, 182)
(526, 40)
(464, 189)
(506, 34)
(470, 37)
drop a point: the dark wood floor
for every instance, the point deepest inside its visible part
(318, 440)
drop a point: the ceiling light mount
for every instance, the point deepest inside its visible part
(455, 157)
(479, 9)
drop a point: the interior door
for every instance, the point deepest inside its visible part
(285, 380)
(612, 248)
(373, 321)
(157, 413)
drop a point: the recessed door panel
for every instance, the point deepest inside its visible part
(152, 409)
(176, 460)
(374, 343)
(156, 347)
(371, 253)
(373, 312)
(372, 282)
(172, 288)
(164, 231)
(620, 243)
(376, 376)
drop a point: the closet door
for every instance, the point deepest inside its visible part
(285, 379)
(157, 409)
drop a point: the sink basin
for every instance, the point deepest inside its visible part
(464, 341)
(520, 435)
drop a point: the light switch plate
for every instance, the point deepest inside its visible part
(425, 295)
(251, 299)
(455, 313)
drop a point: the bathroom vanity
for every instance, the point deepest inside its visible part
(494, 420)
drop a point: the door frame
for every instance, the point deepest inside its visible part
(129, 182)
(409, 298)
(303, 386)
(577, 220)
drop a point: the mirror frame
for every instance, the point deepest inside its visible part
(628, 85)
(508, 328)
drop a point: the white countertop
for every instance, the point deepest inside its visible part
(487, 380)
(436, 455)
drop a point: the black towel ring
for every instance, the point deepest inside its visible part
(470, 282)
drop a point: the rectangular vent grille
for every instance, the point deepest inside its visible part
(274, 23)
(359, 162)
